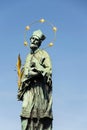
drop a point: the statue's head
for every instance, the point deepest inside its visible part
(36, 39)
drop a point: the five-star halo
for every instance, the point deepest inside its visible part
(28, 27)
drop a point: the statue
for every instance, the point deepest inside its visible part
(35, 89)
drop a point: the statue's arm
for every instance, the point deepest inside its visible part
(45, 67)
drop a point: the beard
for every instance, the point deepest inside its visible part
(33, 47)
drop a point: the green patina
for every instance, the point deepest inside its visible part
(36, 91)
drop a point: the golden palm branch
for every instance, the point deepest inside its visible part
(18, 65)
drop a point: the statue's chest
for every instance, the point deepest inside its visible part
(35, 57)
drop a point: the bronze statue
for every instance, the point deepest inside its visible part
(35, 89)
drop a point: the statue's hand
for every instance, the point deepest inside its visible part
(33, 72)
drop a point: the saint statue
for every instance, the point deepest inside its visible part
(35, 90)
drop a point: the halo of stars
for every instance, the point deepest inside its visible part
(28, 27)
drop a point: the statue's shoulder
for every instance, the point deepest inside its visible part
(28, 55)
(43, 52)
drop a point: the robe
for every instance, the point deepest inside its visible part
(36, 87)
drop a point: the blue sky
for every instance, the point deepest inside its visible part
(69, 59)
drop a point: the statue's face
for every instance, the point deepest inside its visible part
(34, 42)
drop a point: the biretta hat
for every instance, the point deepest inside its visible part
(39, 34)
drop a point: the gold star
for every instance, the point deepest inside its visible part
(54, 29)
(50, 44)
(27, 28)
(42, 20)
(25, 43)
